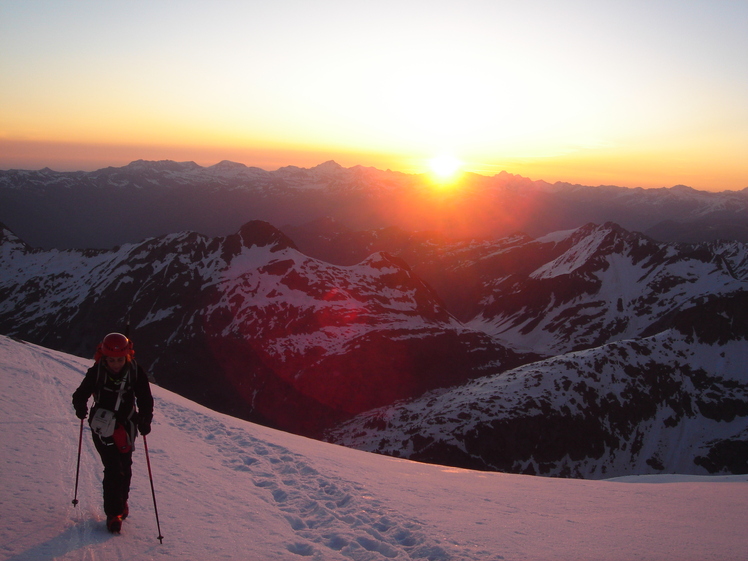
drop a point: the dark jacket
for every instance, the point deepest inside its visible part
(104, 385)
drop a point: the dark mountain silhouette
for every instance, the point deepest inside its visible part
(112, 206)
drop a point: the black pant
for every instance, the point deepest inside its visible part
(117, 475)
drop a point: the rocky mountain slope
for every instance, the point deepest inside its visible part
(650, 343)
(247, 324)
(675, 402)
(596, 284)
(624, 280)
(644, 342)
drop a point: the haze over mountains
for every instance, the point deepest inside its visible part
(112, 206)
(392, 317)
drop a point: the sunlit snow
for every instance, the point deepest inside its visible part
(228, 489)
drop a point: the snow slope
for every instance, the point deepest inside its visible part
(228, 489)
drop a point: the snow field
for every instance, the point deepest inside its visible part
(228, 489)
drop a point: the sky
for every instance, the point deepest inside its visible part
(229, 489)
(642, 93)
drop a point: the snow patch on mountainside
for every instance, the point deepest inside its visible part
(603, 284)
(653, 405)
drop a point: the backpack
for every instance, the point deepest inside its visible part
(104, 422)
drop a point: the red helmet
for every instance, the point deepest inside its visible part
(115, 345)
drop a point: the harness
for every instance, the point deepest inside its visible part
(101, 385)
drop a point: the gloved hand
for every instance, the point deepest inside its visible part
(144, 426)
(81, 412)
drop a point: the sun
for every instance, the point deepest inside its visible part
(445, 166)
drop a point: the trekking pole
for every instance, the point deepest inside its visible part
(153, 491)
(78, 468)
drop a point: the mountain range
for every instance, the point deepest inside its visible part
(589, 352)
(675, 402)
(648, 344)
(248, 325)
(113, 206)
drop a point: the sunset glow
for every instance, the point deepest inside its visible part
(641, 94)
(445, 166)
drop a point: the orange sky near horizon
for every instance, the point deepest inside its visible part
(642, 94)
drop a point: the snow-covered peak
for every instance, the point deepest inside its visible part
(586, 243)
(274, 333)
(9, 242)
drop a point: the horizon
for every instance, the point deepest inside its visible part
(642, 95)
(453, 181)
